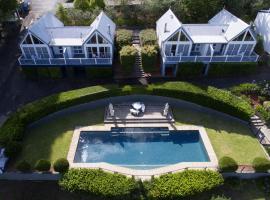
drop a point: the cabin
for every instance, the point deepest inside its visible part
(262, 28)
(225, 38)
(48, 42)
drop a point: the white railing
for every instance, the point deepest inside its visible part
(208, 59)
(65, 61)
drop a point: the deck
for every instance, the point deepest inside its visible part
(153, 114)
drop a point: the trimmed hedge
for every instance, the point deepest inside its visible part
(231, 69)
(246, 88)
(190, 70)
(23, 166)
(99, 72)
(149, 58)
(148, 37)
(127, 58)
(227, 164)
(12, 131)
(261, 164)
(30, 72)
(183, 184)
(43, 72)
(123, 38)
(98, 183)
(55, 72)
(43, 165)
(61, 165)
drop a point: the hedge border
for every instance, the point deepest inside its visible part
(12, 131)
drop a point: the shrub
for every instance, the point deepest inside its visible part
(246, 88)
(127, 58)
(183, 184)
(43, 72)
(220, 198)
(148, 37)
(99, 183)
(82, 5)
(231, 69)
(61, 165)
(259, 49)
(149, 58)
(30, 72)
(263, 112)
(99, 72)
(227, 164)
(190, 70)
(23, 166)
(123, 38)
(261, 164)
(43, 165)
(55, 72)
(12, 149)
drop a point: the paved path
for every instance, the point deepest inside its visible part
(39, 7)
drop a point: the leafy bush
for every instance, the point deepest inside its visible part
(263, 112)
(99, 183)
(30, 72)
(231, 69)
(149, 58)
(246, 88)
(127, 58)
(259, 49)
(123, 38)
(43, 72)
(148, 37)
(190, 70)
(43, 165)
(61, 165)
(55, 72)
(183, 184)
(12, 149)
(220, 198)
(99, 72)
(83, 5)
(211, 97)
(227, 164)
(23, 166)
(261, 164)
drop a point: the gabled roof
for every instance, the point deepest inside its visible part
(262, 24)
(235, 25)
(39, 27)
(167, 25)
(52, 31)
(206, 33)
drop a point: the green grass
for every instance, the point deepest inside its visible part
(51, 140)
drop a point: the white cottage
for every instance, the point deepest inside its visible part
(262, 27)
(49, 42)
(225, 38)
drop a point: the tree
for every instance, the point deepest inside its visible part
(83, 5)
(62, 14)
(6, 8)
(97, 3)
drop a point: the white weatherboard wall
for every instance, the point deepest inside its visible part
(262, 24)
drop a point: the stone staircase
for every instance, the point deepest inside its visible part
(260, 129)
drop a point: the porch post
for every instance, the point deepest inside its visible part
(163, 69)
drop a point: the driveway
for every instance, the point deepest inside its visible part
(39, 7)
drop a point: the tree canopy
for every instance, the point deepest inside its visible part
(7, 7)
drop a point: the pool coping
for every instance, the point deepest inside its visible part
(149, 173)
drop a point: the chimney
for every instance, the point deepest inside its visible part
(165, 28)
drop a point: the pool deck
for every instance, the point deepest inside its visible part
(144, 174)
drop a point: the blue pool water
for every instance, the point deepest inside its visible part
(140, 148)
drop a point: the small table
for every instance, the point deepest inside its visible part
(137, 105)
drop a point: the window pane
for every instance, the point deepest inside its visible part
(183, 37)
(27, 40)
(239, 38)
(249, 37)
(175, 37)
(36, 41)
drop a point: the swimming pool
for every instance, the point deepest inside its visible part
(140, 148)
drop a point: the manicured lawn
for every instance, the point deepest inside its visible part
(228, 137)
(51, 140)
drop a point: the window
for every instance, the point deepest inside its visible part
(93, 40)
(246, 49)
(60, 50)
(27, 40)
(104, 52)
(183, 37)
(249, 37)
(92, 52)
(101, 40)
(239, 38)
(36, 40)
(78, 52)
(233, 49)
(42, 52)
(183, 49)
(175, 37)
(29, 52)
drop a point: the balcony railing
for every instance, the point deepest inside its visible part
(65, 61)
(207, 59)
